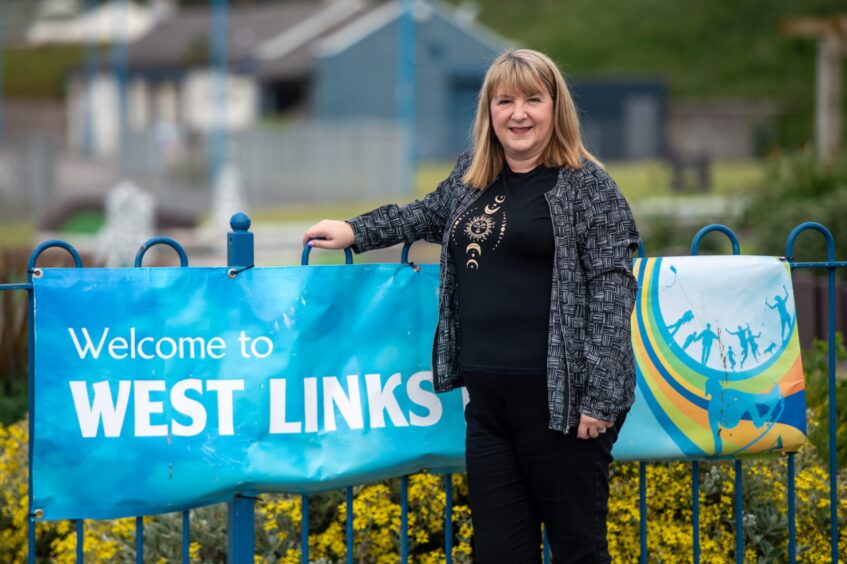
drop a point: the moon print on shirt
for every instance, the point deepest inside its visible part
(482, 231)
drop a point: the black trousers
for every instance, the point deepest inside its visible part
(521, 474)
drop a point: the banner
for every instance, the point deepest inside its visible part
(161, 389)
(718, 360)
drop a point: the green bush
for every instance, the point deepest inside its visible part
(815, 370)
(798, 189)
(13, 338)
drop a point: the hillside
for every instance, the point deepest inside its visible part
(703, 49)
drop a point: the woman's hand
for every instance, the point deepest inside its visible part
(329, 234)
(590, 428)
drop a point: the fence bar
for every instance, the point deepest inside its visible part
(833, 462)
(448, 518)
(139, 540)
(792, 531)
(80, 541)
(404, 519)
(150, 243)
(739, 514)
(831, 264)
(304, 529)
(642, 509)
(821, 264)
(186, 536)
(350, 525)
(22, 286)
(695, 243)
(240, 511)
(30, 393)
(240, 529)
(695, 510)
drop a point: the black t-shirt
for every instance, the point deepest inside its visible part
(502, 247)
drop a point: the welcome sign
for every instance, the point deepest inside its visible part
(162, 389)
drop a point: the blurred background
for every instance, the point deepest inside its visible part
(121, 120)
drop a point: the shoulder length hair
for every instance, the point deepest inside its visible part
(525, 71)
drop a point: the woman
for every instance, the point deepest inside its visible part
(547, 361)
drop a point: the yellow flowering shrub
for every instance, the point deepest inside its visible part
(376, 522)
(765, 511)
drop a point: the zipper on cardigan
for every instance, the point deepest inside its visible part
(568, 379)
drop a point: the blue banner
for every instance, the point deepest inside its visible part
(163, 389)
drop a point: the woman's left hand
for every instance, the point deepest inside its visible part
(590, 428)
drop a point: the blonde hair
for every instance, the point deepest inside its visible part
(525, 71)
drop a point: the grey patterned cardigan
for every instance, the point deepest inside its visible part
(590, 364)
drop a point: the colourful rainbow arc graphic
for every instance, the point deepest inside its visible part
(710, 412)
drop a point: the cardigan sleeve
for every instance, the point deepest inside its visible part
(420, 219)
(606, 247)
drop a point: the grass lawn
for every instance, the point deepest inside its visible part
(16, 234)
(638, 181)
(647, 179)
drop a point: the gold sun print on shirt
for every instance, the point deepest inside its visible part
(480, 227)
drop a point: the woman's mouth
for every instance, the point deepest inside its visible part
(520, 130)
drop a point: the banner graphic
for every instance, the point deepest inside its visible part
(718, 360)
(161, 389)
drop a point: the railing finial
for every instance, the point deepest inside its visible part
(239, 248)
(240, 222)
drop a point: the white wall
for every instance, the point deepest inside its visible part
(99, 99)
(186, 103)
(198, 101)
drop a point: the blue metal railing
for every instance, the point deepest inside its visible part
(240, 545)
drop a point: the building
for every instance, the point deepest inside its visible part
(332, 61)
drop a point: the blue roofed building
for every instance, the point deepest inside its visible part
(623, 119)
(355, 74)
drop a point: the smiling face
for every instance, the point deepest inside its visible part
(523, 123)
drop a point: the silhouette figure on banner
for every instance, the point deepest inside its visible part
(690, 340)
(754, 346)
(771, 348)
(785, 320)
(730, 356)
(727, 407)
(707, 336)
(685, 318)
(675, 277)
(742, 342)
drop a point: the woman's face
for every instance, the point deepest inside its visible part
(523, 123)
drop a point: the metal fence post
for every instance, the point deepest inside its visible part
(240, 529)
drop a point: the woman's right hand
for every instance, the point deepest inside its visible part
(329, 234)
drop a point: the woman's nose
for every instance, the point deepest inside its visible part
(519, 111)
